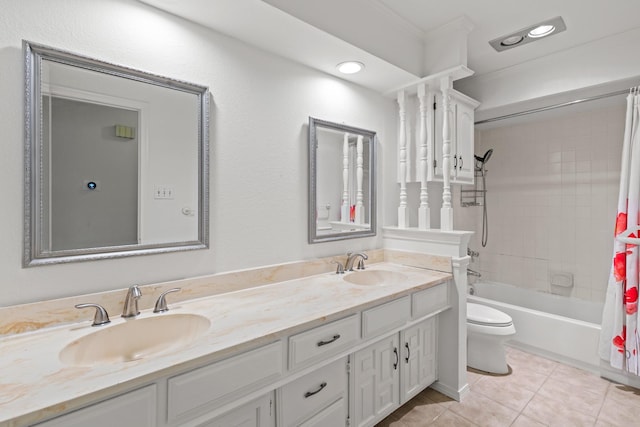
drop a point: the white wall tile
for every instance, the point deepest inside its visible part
(552, 198)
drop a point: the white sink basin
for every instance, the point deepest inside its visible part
(375, 277)
(135, 339)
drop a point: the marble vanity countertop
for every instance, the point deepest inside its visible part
(35, 384)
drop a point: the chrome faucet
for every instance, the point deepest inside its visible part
(474, 273)
(348, 266)
(131, 302)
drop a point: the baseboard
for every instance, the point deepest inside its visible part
(451, 392)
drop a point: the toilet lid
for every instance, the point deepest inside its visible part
(488, 316)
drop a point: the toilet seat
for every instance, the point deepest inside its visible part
(483, 315)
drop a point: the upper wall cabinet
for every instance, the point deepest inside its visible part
(461, 122)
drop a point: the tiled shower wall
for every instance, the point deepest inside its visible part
(552, 190)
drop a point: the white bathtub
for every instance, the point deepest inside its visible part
(566, 329)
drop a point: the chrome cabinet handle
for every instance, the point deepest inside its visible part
(318, 390)
(408, 352)
(333, 339)
(395, 365)
(461, 162)
(455, 161)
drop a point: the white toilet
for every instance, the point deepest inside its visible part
(487, 330)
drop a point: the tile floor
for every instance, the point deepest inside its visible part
(538, 392)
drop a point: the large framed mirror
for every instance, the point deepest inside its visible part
(342, 188)
(116, 160)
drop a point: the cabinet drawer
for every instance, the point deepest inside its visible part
(308, 395)
(221, 381)
(136, 408)
(430, 300)
(385, 317)
(323, 341)
(333, 415)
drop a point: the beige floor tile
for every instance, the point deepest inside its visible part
(600, 423)
(524, 421)
(449, 419)
(508, 393)
(580, 399)
(421, 413)
(624, 394)
(473, 376)
(518, 359)
(581, 378)
(619, 414)
(483, 411)
(436, 396)
(390, 421)
(554, 412)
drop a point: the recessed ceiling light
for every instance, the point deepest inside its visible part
(510, 41)
(350, 67)
(530, 34)
(541, 31)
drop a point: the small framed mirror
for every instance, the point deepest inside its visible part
(342, 189)
(116, 160)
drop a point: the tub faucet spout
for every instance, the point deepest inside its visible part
(474, 273)
(131, 302)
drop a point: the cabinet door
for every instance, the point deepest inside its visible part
(376, 381)
(464, 143)
(418, 362)
(257, 413)
(136, 408)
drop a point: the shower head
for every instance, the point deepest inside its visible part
(484, 159)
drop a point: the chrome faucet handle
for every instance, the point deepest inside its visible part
(100, 318)
(339, 267)
(361, 264)
(161, 303)
(130, 308)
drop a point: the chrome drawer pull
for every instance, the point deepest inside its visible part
(408, 352)
(311, 393)
(335, 338)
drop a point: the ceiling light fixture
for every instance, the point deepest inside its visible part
(350, 67)
(530, 34)
(541, 31)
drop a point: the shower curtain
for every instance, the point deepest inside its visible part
(619, 343)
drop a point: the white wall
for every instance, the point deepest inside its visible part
(260, 108)
(552, 189)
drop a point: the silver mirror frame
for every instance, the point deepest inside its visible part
(32, 253)
(313, 177)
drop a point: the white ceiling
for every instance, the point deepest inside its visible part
(389, 35)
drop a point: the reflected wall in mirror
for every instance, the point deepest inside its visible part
(116, 160)
(342, 191)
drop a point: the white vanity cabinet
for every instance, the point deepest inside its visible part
(316, 398)
(351, 371)
(391, 371)
(135, 408)
(461, 122)
(257, 413)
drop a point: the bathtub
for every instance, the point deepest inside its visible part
(562, 328)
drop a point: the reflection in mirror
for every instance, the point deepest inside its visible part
(116, 160)
(341, 181)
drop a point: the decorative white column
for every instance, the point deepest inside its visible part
(344, 208)
(424, 214)
(359, 174)
(446, 212)
(403, 213)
